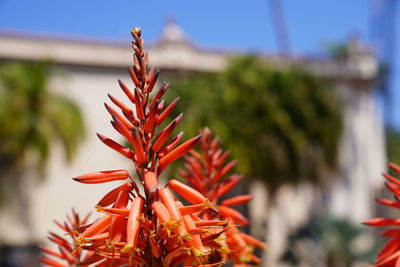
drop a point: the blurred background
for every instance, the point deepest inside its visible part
(303, 92)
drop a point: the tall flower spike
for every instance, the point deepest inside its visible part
(390, 253)
(147, 226)
(206, 173)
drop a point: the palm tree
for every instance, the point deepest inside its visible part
(32, 118)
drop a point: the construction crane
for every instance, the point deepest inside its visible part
(383, 34)
(279, 25)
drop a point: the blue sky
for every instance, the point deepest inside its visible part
(233, 24)
(223, 23)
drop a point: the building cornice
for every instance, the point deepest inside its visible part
(167, 54)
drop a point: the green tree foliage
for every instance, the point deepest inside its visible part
(282, 125)
(393, 145)
(32, 117)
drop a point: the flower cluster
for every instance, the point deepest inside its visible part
(390, 254)
(147, 225)
(67, 253)
(207, 172)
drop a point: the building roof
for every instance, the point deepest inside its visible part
(173, 50)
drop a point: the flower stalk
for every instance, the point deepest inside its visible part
(208, 173)
(145, 225)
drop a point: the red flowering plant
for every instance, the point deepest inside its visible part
(389, 255)
(146, 225)
(207, 172)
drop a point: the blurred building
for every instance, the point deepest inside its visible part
(88, 70)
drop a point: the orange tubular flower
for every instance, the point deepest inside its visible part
(238, 200)
(161, 211)
(390, 253)
(112, 196)
(133, 224)
(102, 177)
(145, 227)
(187, 192)
(150, 182)
(205, 172)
